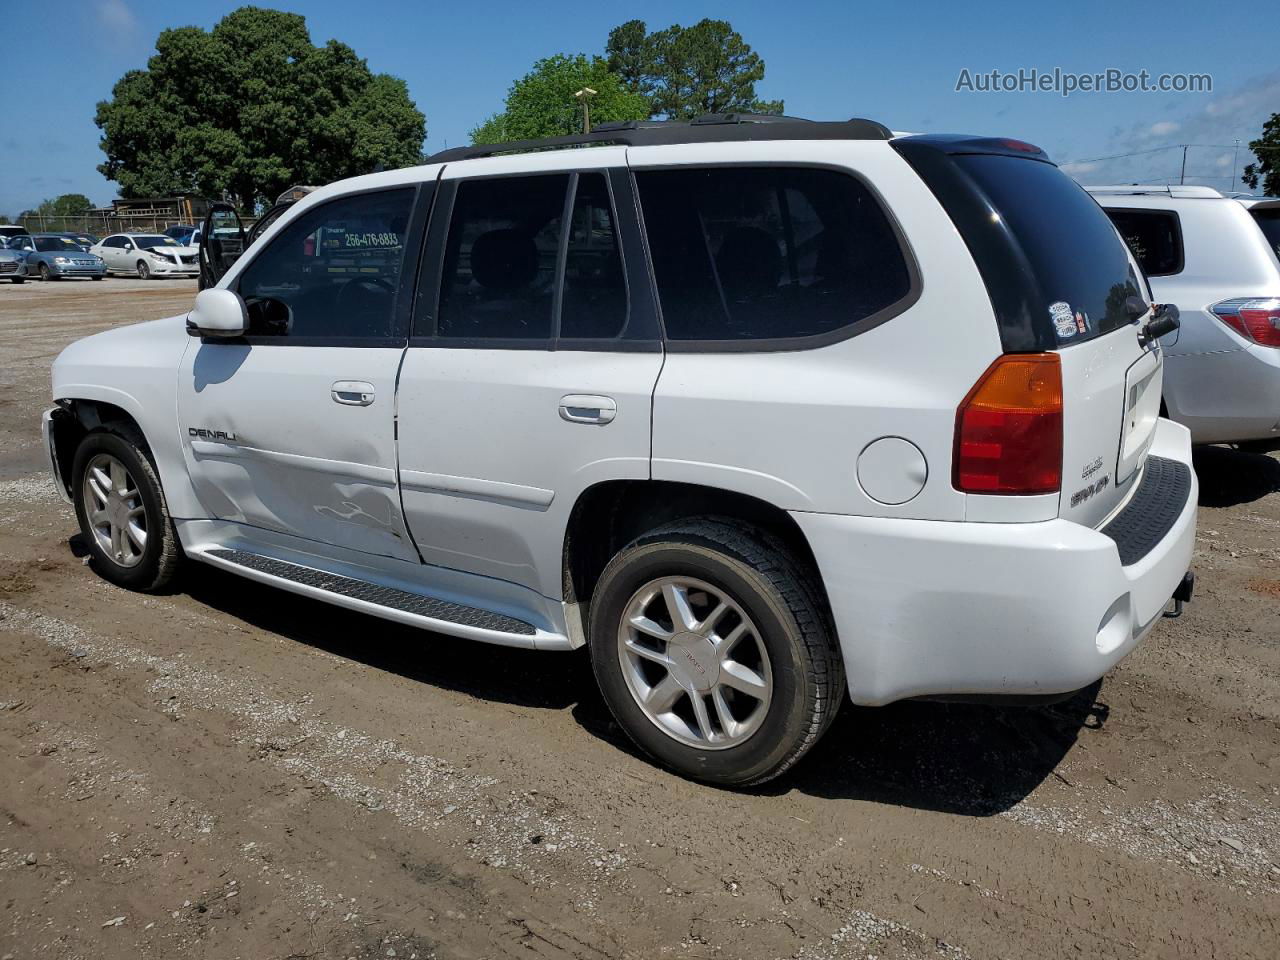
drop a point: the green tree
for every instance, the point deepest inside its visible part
(67, 205)
(251, 107)
(1267, 149)
(541, 103)
(687, 71)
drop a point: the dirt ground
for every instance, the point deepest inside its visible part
(232, 772)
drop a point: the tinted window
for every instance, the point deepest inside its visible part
(1269, 221)
(1154, 237)
(1077, 261)
(594, 305)
(500, 258)
(769, 253)
(334, 272)
(54, 244)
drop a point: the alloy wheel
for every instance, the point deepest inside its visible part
(695, 663)
(114, 508)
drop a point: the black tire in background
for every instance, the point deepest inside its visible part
(162, 555)
(779, 594)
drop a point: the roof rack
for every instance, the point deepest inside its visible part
(708, 128)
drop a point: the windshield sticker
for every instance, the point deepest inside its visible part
(1064, 324)
(1082, 322)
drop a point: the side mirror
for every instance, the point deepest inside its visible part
(218, 313)
(128, 245)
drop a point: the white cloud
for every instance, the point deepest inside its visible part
(116, 16)
(1210, 127)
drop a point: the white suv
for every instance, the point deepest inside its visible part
(760, 412)
(1216, 257)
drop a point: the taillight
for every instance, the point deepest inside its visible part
(1009, 428)
(1257, 320)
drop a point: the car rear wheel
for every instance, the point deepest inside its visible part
(144, 272)
(121, 509)
(712, 649)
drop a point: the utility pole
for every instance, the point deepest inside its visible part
(1183, 177)
(1235, 165)
(584, 96)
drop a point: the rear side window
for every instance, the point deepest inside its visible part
(769, 253)
(1269, 221)
(1076, 260)
(500, 258)
(1154, 237)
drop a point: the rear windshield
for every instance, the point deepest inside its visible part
(1077, 261)
(1269, 221)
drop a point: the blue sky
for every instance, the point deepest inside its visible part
(895, 62)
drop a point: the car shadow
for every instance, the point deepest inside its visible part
(1231, 477)
(973, 760)
(969, 759)
(528, 678)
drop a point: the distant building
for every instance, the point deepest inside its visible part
(184, 208)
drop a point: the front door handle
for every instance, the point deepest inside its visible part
(352, 393)
(588, 408)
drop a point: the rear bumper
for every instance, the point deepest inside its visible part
(930, 608)
(1226, 397)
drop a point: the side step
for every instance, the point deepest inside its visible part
(391, 603)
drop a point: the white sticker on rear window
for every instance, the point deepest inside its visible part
(1064, 321)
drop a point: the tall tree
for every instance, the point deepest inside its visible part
(687, 71)
(542, 103)
(67, 205)
(249, 108)
(1267, 149)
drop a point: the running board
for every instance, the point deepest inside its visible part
(391, 603)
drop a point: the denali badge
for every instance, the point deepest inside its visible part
(1080, 496)
(222, 436)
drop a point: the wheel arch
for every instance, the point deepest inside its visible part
(610, 514)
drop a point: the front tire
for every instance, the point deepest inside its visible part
(19, 279)
(144, 271)
(122, 511)
(713, 652)
(45, 273)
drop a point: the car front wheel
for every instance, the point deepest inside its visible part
(45, 274)
(711, 647)
(144, 271)
(121, 509)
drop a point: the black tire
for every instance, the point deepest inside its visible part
(45, 273)
(19, 279)
(162, 555)
(144, 271)
(778, 593)
(98, 277)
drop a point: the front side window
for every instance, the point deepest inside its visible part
(500, 258)
(1154, 237)
(334, 272)
(769, 253)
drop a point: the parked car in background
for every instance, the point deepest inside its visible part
(10, 230)
(762, 410)
(13, 265)
(147, 255)
(182, 232)
(83, 240)
(51, 256)
(1216, 257)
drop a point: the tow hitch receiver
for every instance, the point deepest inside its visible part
(1182, 595)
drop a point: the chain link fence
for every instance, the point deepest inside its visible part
(97, 224)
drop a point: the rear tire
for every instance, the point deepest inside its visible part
(740, 581)
(144, 272)
(122, 511)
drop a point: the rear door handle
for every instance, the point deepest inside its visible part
(588, 408)
(352, 393)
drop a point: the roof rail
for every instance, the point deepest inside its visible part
(708, 128)
(1174, 190)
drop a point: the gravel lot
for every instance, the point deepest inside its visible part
(228, 771)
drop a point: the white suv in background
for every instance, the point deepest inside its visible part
(760, 410)
(1215, 257)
